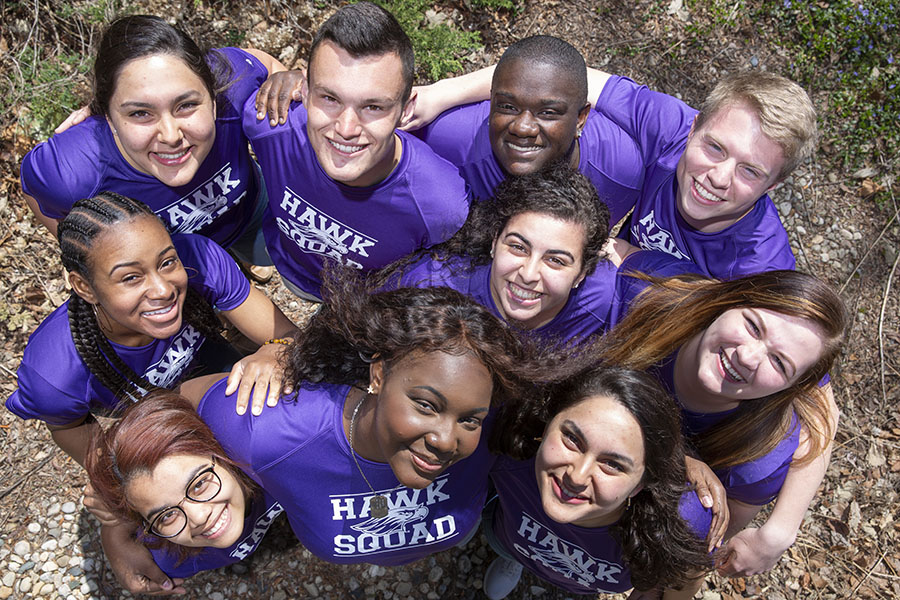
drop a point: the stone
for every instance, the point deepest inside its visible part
(311, 589)
(279, 595)
(68, 508)
(9, 579)
(239, 568)
(46, 589)
(217, 596)
(49, 545)
(63, 560)
(26, 567)
(49, 566)
(25, 585)
(403, 588)
(465, 565)
(537, 591)
(53, 510)
(5, 592)
(87, 564)
(22, 548)
(34, 528)
(435, 574)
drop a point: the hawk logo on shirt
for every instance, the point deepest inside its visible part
(247, 545)
(567, 559)
(168, 369)
(203, 205)
(650, 236)
(406, 524)
(315, 232)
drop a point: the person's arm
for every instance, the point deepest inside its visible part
(272, 64)
(432, 100)
(596, 81)
(73, 437)
(50, 223)
(260, 373)
(756, 550)
(133, 564)
(711, 494)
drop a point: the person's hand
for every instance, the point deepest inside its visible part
(616, 250)
(75, 117)
(712, 495)
(276, 93)
(97, 507)
(133, 564)
(261, 374)
(750, 552)
(428, 104)
(654, 594)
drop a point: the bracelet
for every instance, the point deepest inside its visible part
(285, 341)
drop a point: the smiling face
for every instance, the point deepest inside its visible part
(534, 115)
(746, 353)
(137, 282)
(163, 118)
(727, 165)
(217, 523)
(537, 261)
(591, 460)
(353, 107)
(427, 415)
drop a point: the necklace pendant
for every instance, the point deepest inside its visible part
(378, 506)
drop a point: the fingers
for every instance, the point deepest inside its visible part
(74, 118)
(234, 379)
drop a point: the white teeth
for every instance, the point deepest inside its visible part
(523, 294)
(219, 524)
(726, 364)
(158, 312)
(566, 493)
(171, 156)
(345, 147)
(706, 195)
(523, 148)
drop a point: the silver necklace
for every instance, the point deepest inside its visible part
(378, 506)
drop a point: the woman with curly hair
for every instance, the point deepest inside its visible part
(744, 359)
(534, 255)
(140, 317)
(591, 494)
(379, 456)
(175, 491)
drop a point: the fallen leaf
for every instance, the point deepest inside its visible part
(874, 456)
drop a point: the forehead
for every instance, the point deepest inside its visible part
(608, 427)
(739, 127)
(157, 74)
(365, 77)
(137, 237)
(548, 230)
(534, 81)
(165, 483)
(460, 377)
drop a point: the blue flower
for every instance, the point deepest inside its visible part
(787, 3)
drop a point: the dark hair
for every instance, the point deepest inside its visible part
(366, 29)
(658, 546)
(88, 219)
(557, 190)
(137, 36)
(546, 49)
(163, 424)
(672, 311)
(353, 327)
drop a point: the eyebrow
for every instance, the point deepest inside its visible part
(383, 100)
(541, 101)
(443, 398)
(137, 104)
(554, 251)
(758, 167)
(762, 325)
(137, 262)
(194, 474)
(577, 430)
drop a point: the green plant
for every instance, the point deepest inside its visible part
(439, 47)
(510, 5)
(847, 50)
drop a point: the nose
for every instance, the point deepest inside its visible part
(198, 515)
(441, 439)
(169, 131)
(578, 473)
(347, 124)
(159, 287)
(720, 175)
(751, 354)
(530, 269)
(524, 125)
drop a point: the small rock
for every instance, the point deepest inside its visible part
(465, 565)
(49, 566)
(53, 510)
(239, 568)
(9, 579)
(217, 596)
(5, 592)
(242, 588)
(435, 574)
(22, 548)
(279, 595)
(785, 208)
(62, 561)
(26, 567)
(75, 571)
(311, 589)
(68, 508)
(34, 528)
(25, 585)
(49, 545)
(754, 62)
(46, 589)
(800, 229)
(403, 588)
(87, 564)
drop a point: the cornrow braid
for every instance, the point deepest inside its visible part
(76, 234)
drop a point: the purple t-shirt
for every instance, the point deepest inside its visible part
(262, 513)
(218, 202)
(297, 452)
(660, 124)
(583, 560)
(754, 482)
(608, 156)
(593, 307)
(56, 386)
(312, 217)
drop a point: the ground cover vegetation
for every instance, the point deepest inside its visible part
(840, 210)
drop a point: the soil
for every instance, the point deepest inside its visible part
(847, 546)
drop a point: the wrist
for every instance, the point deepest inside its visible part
(776, 538)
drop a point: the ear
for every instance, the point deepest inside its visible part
(83, 288)
(636, 490)
(583, 115)
(579, 279)
(693, 126)
(304, 89)
(376, 376)
(408, 109)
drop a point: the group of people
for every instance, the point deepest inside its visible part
(611, 413)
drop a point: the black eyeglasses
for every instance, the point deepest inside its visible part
(172, 520)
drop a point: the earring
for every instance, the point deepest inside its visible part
(628, 503)
(492, 252)
(577, 133)
(370, 390)
(575, 287)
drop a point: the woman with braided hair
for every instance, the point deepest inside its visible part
(140, 310)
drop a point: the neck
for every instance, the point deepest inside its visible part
(362, 425)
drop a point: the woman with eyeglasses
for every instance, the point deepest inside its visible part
(161, 472)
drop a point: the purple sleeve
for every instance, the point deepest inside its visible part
(248, 73)
(37, 398)
(697, 516)
(650, 262)
(761, 241)
(659, 123)
(452, 135)
(211, 271)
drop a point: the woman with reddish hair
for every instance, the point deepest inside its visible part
(162, 473)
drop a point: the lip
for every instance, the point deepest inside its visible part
(163, 314)
(427, 464)
(173, 159)
(346, 149)
(514, 294)
(523, 149)
(703, 196)
(563, 495)
(219, 526)
(728, 370)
